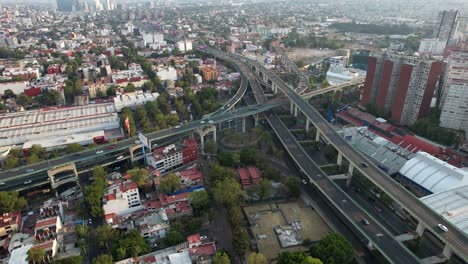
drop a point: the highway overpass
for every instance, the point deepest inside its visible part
(375, 233)
(455, 239)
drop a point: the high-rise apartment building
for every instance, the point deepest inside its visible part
(454, 98)
(445, 30)
(67, 5)
(402, 85)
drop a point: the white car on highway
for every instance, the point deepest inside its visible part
(99, 151)
(442, 227)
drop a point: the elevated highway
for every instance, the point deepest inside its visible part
(454, 239)
(375, 233)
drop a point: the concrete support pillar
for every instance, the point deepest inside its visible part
(307, 124)
(351, 168)
(291, 108)
(52, 181)
(317, 135)
(243, 125)
(214, 134)
(295, 110)
(340, 158)
(420, 229)
(202, 140)
(447, 252)
(348, 179)
(256, 117)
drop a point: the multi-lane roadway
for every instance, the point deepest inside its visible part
(17, 179)
(455, 237)
(393, 250)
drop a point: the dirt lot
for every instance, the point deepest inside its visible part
(267, 217)
(309, 55)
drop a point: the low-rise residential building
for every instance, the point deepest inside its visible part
(10, 223)
(167, 158)
(50, 248)
(96, 89)
(52, 208)
(122, 198)
(194, 250)
(175, 206)
(190, 177)
(24, 74)
(167, 73)
(153, 226)
(134, 75)
(47, 229)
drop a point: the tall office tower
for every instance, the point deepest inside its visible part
(401, 85)
(65, 5)
(454, 99)
(447, 26)
(68, 5)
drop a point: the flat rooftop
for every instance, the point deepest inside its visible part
(17, 128)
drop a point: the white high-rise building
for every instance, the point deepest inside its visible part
(184, 46)
(454, 99)
(432, 46)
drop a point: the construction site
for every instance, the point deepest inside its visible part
(284, 226)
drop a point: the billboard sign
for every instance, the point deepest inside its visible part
(143, 139)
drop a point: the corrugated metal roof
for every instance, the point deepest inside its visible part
(452, 205)
(433, 174)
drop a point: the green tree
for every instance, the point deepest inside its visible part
(257, 258)
(130, 88)
(10, 201)
(82, 231)
(221, 258)
(227, 191)
(211, 147)
(333, 249)
(103, 259)
(94, 192)
(199, 200)
(170, 183)
(311, 260)
(69, 260)
(37, 150)
(12, 161)
(111, 91)
(138, 175)
(240, 240)
(23, 100)
(36, 255)
(289, 257)
(173, 237)
(292, 185)
(235, 216)
(262, 189)
(74, 147)
(130, 244)
(248, 156)
(3, 107)
(8, 93)
(219, 173)
(33, 158)
(106, 234)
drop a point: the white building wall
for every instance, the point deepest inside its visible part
(454, 101)
(432, 46)
(168, 73)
